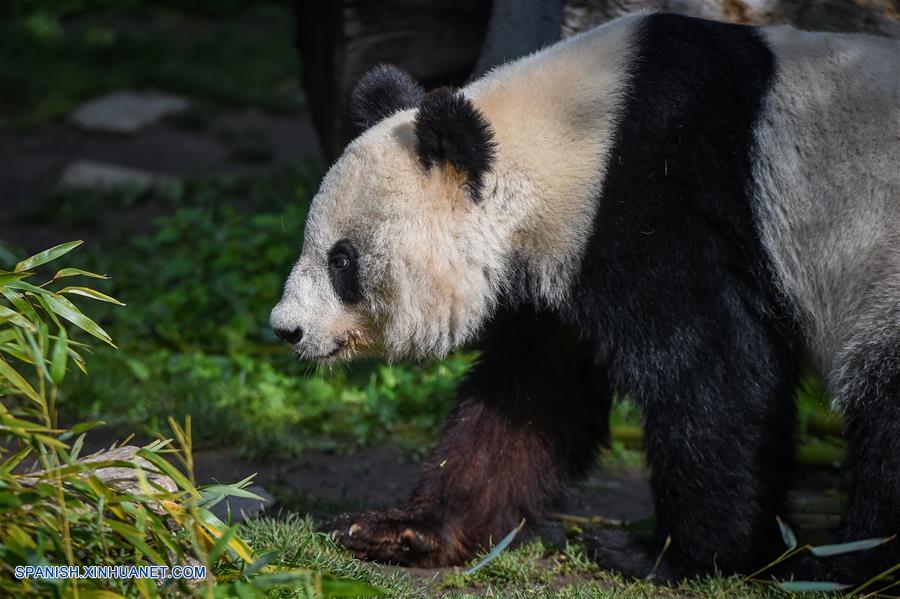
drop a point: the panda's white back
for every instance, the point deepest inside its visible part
(828, 185)
(826, 165)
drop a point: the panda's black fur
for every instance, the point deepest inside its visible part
(675, 304)
(681, 301)
(449, 129)
(380, 93)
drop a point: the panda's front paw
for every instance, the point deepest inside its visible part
(393, 536)
(622, 552)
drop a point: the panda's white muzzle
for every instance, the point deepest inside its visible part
(302, 316)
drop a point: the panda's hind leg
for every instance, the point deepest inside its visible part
(868, 390)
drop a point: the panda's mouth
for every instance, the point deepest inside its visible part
(341, 345)
(346, 346)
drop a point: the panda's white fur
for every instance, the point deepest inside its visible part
(554, 129)
(828, 176)
(434, 262)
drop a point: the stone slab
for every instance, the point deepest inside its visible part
(126, 112)
(100, 175)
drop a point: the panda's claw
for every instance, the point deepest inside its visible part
(393, 537)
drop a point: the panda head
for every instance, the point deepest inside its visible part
(406, 242)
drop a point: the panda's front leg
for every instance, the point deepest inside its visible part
(719, 441)
(531, 413)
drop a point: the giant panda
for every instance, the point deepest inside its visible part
(686, 212)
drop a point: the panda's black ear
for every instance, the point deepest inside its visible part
(380, 93)
(450, 130)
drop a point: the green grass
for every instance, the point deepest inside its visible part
(533, 569)
(54, 55)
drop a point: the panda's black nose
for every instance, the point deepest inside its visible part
(292, 336)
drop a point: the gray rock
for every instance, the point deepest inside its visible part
(241, 508)
(86, 173)
(122, 478)
(126, 112)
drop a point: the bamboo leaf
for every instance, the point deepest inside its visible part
(14, 317)
(18, 302)
(59, 358)
(168, 469)
(82, 427)
(47, 440)
(74, 272)
(221, 544)
(6, 277)
(497, 550)
(841, 548)
(10, 374)
(91, 293)
(37, 354)
(790, 539)
(26, 286)
(76, 446)
(16, 352)
(221, 491)
(16, 459)
(215, 527)
(47, 255)
(56, 321)
(260, 562)
(79, 361)
(67, 310)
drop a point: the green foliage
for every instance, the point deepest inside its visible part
(213, 265)
(50, 60)
(126, 506)
(267, 406)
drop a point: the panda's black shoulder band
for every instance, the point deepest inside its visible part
(451, 130)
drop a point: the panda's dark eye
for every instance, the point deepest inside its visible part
(339, 261)
(343, 270)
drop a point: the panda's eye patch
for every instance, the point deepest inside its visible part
(343, 270)
(339, 261)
